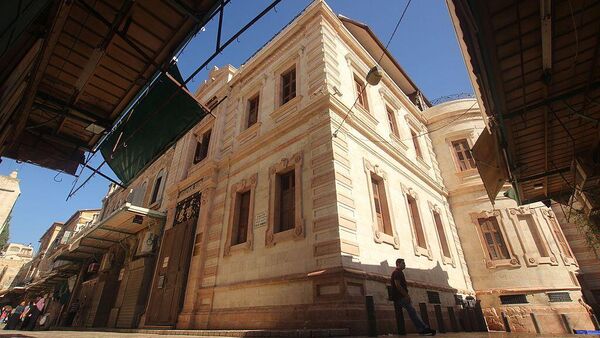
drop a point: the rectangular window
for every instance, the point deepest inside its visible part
(240, 220)
(288, 85)
(514, 299)
(252, 111)
(156, 190)
(528, 226)
(285, 210)
(492, 236)
(202, 148)
(562, 241)
(381, 207)
(462, 153)
(392, 121)
(440, 229)
(416, 221)
(415, 139)
(557, 297)
(361, 93)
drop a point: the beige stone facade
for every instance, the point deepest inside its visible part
(518, 257)
(12, 258)
(334, 251)
(9, 192)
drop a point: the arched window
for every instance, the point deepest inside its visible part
(157, 190)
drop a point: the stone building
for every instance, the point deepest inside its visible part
(519, 260)
(12, 258)
(302, 215)
(9, 192)
(41, 264)
(115, 256)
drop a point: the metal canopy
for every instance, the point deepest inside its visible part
(61, 90)
(537, 72)
(119, 225)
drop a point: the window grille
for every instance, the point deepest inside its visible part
(514, 299)
(555, 297)
(433, 297)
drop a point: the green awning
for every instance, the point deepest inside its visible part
(162, 116)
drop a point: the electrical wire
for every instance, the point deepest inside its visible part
(378, 61)
(429, 131)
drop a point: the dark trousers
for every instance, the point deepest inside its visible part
(34, 313)
(403, 303)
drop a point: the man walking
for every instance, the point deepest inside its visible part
(402, 299)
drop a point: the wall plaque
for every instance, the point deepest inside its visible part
(260, 220)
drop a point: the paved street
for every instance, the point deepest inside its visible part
(89, 334)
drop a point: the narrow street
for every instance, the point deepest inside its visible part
(69, 334)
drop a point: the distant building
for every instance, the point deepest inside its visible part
(11, 260)
(9, 192)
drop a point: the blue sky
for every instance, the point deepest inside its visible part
(425, 45)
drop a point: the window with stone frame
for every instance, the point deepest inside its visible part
(463, 155)
(415, 218)
(240, 219)
(441, 233)
(560, 237)
(361, 93)
(288, 85)
(285, 205)
(285, 201)
(416, 143)
(493, 238)
(253, 104)
(240, 234)
(392, 121)
(202, 147)
(159, 183)
(382, 212)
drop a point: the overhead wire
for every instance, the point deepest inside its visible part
(378, 61)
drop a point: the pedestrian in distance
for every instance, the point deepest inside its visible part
(401, 298)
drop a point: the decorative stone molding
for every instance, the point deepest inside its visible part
(298, 231)
(419, 251)
(437, 209)
(556, 230)
(247, 184)
(380, 237)
(531, 254)
(512, 261)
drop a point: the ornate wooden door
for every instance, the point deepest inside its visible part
(168, 286)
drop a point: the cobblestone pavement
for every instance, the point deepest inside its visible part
(89, 334)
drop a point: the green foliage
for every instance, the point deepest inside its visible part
(589, 226)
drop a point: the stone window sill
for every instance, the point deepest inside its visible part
(249, 133)
(285, 109)
(398, 142)
(366, 116)
(492, 264)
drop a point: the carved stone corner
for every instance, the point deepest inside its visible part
(378, 238)
(514, 261)
(396, 242)
(269, 239)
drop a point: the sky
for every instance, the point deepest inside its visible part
(425, 46)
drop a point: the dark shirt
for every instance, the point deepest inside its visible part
(398, 275)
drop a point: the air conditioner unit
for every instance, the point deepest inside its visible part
(147, 243)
